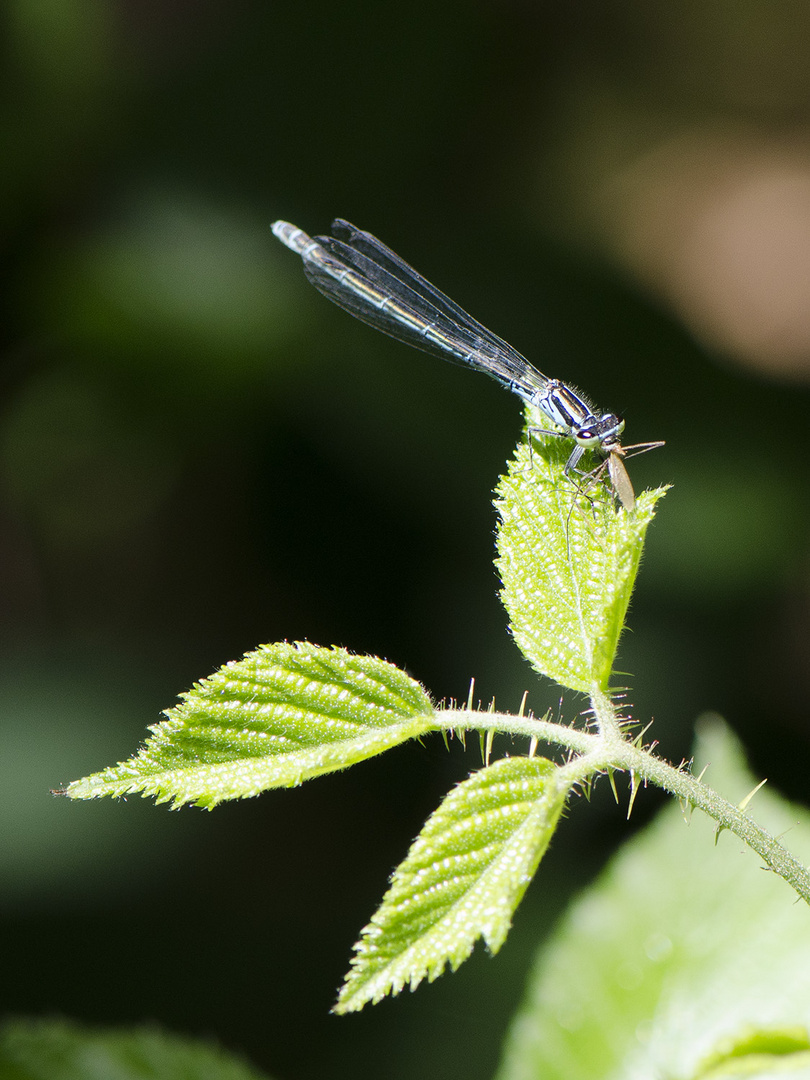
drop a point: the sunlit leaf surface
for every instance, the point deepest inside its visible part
(279, 716)
(462, 879)
(568, 558)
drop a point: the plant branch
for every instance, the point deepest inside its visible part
(610, 749)
(571, 738)
(693, 791)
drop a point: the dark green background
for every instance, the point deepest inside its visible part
(199, 454)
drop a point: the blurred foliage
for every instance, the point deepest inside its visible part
(56, 1050)
(176, 401)
(683, 959)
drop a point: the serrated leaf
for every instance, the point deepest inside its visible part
(684, 960)
(59, 1050)
(568, 560)
(280, 715)
(462, 879)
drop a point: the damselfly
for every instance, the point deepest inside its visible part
(360, 274)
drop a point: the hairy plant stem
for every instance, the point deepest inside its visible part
(608, 748)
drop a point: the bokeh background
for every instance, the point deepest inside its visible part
(198, 453)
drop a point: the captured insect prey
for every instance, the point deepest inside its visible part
(364, 277)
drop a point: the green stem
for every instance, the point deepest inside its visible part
(610, 749)
(509, 724)
(607, 721)
(691, 790)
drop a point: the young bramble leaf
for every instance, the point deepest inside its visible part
(280, 715)
(462, 879)
(568, 562)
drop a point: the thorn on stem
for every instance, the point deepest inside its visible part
(633, 792)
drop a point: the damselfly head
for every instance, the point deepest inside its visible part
(604, 433)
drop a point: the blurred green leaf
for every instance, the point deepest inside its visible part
(462, 879)
(59, 1050)
(768, 1053)
(176, 284)
(280, 715)
(683, 956)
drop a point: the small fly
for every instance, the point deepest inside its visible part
(360, 274)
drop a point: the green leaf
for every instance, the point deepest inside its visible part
(771, 1052)
(684, 960)
(280, 715)
(58, 1050)
(462, 879)
(567, 561)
